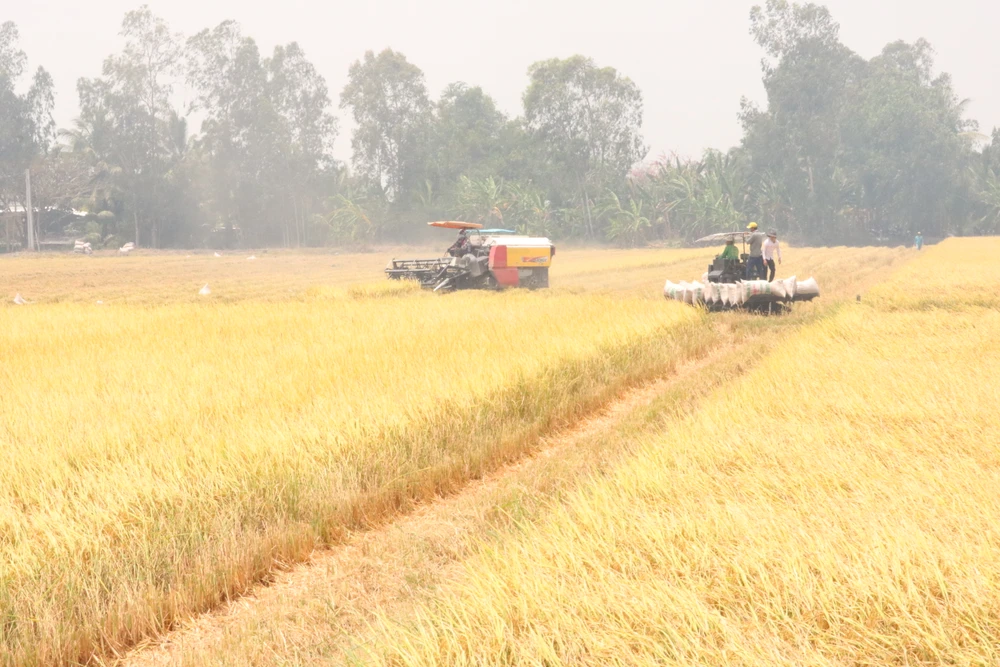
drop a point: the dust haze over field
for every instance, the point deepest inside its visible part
(692, 59)
(250, 126)
(229, 439)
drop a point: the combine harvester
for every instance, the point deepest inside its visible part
(481, 259)
(724, 287)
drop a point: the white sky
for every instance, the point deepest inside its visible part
(692, 59)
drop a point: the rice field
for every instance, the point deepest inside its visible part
(166, 450)
(837, 505)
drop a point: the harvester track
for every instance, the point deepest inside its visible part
(374, 570)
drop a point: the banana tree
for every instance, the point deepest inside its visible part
(627, 223)
(483, 200)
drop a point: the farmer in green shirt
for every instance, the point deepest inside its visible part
(730, 251)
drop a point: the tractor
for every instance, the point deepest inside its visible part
(726, 285)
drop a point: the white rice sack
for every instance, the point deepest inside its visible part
(749, 288)
(695, 293)
(675, 291)
(790, 285)
(752, 288)
(778, 289)
(736, 296)
(704, 277)
(670, 289)
(711, 293)
(682, 294)
(806, 289)
(733, 292)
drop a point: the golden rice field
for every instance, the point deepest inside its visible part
(164, 451)
(836, 505)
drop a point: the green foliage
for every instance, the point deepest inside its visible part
(355, 220)
(388, 99)
(467, 136)
(845, 150)
(627, 224)
(496, 203)
(26, 125)
(988, 196)
(267, 139)
(484, 201)
(852, 149)
(587, 121)
(693, 198)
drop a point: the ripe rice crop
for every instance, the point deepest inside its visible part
(837, 505)
(321, 618)
(159, 458)
(953, 275)
(165, 450)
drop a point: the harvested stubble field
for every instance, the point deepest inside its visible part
(166, 451)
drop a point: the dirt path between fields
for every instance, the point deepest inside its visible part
(315, 610)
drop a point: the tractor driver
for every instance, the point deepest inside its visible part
(730, 251)
(460, 246)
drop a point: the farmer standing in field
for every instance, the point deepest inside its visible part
(770, 248)
(755, 265)
(918, 240)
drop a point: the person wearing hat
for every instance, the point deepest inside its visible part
(730, 251)
(918, 240)
(460, 246)
(771, 248)
(755, 265)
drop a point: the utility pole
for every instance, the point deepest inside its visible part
(27, 208)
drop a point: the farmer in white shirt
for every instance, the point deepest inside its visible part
(771, 248)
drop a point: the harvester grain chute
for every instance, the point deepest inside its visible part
(725, 286)
(480, 259)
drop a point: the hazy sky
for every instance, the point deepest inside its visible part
(692, 59)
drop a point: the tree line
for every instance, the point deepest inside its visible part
(845, 150)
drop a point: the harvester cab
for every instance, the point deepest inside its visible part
(481, 259)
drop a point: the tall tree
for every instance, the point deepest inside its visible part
(589, 119)
(300, 98)
(388, 100)
(468, 135)
(130, 103)
(806, 78)
(903, 143)
(27, 129)
(268, 133)
(855, 147)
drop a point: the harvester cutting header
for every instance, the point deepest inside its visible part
(737, 280)
(481, 259)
